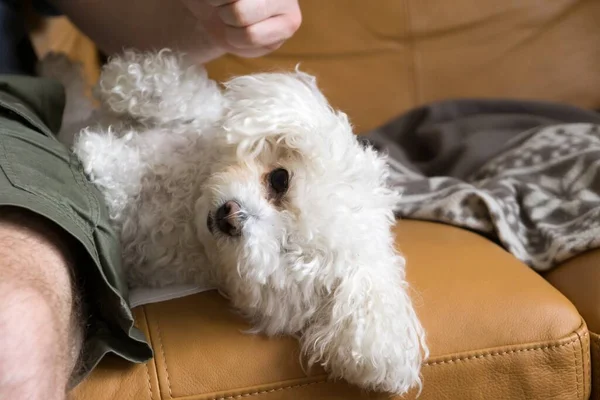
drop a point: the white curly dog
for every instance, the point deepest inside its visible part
(259, 187)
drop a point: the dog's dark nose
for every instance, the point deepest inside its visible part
(229, 218)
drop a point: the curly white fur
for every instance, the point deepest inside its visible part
(321, 263)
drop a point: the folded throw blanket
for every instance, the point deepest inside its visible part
(526, 174)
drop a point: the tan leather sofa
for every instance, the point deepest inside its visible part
(496, 329)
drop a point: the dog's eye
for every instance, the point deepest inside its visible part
(279, 180)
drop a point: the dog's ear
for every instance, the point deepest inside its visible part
(158, 88)
(367, 331)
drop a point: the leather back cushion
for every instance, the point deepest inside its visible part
(375, 59)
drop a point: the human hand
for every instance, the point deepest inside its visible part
(247, 28)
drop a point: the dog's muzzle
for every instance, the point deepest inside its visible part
(229, 219)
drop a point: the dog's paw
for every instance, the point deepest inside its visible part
(158, 89)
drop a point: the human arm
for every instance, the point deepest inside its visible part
(205, 29)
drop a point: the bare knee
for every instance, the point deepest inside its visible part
(30, 359)
(40, 339)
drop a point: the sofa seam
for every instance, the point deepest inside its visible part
(427, 364)
(585, 362)
(498, 353)
(145, 315)
(412, 48)
(595, 371)
(259, 392)
(162, 350)
(574, 346)
(149, 383)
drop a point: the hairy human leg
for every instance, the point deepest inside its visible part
(65, 233)
(39, 317)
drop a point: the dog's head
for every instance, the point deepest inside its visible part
(292, 195)
(291, 191)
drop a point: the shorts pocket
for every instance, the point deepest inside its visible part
(42, 166)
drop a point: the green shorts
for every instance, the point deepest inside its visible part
(39, 174)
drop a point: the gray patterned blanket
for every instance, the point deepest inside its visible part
(525, 174)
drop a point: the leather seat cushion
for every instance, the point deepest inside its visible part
(579, 280)
(494, 327)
